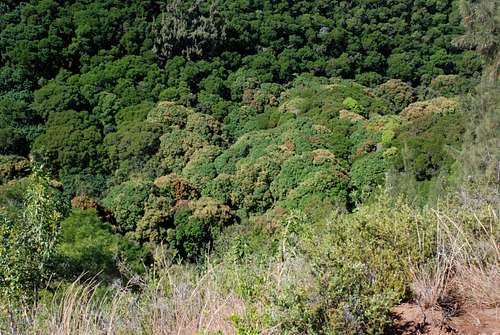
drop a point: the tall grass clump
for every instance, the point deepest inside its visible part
(171, 299)
(465, 267)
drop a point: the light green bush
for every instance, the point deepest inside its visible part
(87, 246)
(29, 236)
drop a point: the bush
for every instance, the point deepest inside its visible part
(13, 167)
(87, 246)
(320, 191)
(367, 172)
(201, 168)
(12, 141)
(71, 142)
(424, 143)
(449, 86)
(353, 105)
(220, 188)
(396, 94)
(321, 100)
(56, 96)
(157, 219)
(92, 185)
(339, 274)
(356, 267)
(440, 105)
(132, 145)
(28, 239)
(126, 202)
(176, 187)
(196, 225)
(177, 147)
(169, 114)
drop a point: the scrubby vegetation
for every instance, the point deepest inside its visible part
(284, 167)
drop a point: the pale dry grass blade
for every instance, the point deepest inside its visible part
(175, 301)
(466, 267)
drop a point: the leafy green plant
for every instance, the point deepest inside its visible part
(88, 247)
(196, 225)
(126, 202)
(361, 264)
(367, 173)
(353, 105)
(29, 239)
(396, 94)
(71, 143)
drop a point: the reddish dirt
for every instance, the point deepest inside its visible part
(411, 319)
(85, 202)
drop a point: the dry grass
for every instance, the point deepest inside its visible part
(466, 267)
(175, 301)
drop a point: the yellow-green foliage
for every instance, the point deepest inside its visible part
(322, 100)
(169, 113)
(176, 148)
(87, 247)
(421, 109)
(29, 234)
(201, 168)
(187, 133)
(383, 238)
(153, 225)
(353, 105)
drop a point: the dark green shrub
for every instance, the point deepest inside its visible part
(292, 173)
(126, 202)
(196, 225)
(13, 167)
(424, 142)
(135, 113)
(92, 185)
(132, 145)
(402, 65)
(12, 141)
(56, 96)
(71, 142)
(220, 188)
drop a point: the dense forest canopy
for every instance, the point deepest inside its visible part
(126, 125)
(181, 117)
